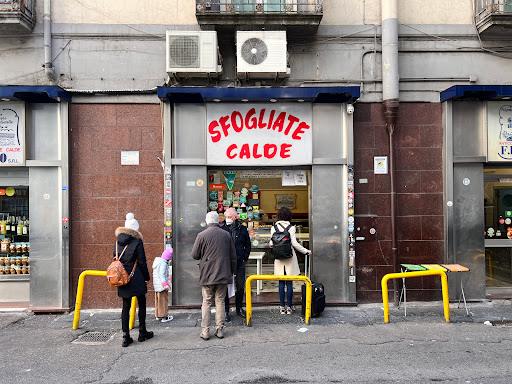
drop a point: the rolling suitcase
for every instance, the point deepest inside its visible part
(317, 299)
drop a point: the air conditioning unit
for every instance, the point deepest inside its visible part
(261, 54)
(192, 53)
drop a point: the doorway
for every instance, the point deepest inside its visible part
(257, 195)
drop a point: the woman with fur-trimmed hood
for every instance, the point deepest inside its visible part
(130, 237)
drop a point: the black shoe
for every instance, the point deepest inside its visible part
(144, 335)
(127, 340)
(240, 312)
(228, 318)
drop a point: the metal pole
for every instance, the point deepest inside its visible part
(47, 38)
(390, 99)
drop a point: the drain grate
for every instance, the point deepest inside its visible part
(94, 338)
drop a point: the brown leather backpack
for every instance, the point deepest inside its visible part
(116, 274)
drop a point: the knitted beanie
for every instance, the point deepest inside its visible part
(167, 254)
(131, 222)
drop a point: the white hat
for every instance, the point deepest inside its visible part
(131, 222)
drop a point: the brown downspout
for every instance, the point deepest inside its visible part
(390, 116)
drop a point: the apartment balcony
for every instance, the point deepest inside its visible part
(17, 16)
(259, 12)
(493, 18)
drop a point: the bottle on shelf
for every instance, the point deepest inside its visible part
(13, 226)
(3, 226)
(19, 227)
(8, 225)
(25, 226)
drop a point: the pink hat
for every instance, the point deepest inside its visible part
(167, 254)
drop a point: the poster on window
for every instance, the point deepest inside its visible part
(264, 134)
(499, 131)
(12, 134)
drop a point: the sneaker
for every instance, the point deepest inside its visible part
(282, 310)
(289, 310)
(204, 335)
(219, 332)
(166, 319)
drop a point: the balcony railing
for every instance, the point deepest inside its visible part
(17, 15)
(484, 8)
(287, 12)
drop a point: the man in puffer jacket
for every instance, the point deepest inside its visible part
(161, 285)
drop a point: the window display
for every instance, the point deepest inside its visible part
(14, 231)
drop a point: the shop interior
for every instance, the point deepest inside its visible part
(498, 228)
(257, 195)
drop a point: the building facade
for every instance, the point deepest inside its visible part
(372, 120)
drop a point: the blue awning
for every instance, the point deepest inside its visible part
(260, 94)
(477, 92)
(34, 93)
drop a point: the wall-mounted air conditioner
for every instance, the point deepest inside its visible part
(192, 53)
(261, 54)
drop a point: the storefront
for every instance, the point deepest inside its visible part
(256, 150)
(34, 204)
(478, 122)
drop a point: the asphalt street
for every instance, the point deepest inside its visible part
(344, 345)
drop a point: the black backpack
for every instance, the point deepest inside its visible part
(282, 243)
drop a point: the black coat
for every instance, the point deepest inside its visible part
(134, 251)
(241, 238)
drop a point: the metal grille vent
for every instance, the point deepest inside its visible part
(94, 338)
(184, 52)
(254, 51)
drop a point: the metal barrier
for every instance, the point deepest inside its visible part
(80, 293)
(389, 276)
(248, 303)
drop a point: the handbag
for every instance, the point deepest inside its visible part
(116, 274)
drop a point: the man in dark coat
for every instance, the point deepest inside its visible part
(217, 263)
(130, 238)
(242, 241)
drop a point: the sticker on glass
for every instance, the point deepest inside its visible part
(466, 181)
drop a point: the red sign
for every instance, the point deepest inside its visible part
(217, 186)
(502, 221)
(168, 203)
(65, 219)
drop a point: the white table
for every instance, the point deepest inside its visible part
(258, 256)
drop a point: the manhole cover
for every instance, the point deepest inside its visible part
(94, 338)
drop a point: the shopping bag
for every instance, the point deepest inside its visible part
(231, 287)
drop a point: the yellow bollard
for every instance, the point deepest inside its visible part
(389, 276)
(248, 300)
(80, 293)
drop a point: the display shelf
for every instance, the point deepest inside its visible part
(21, 277)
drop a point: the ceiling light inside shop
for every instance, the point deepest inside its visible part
(245, 100)
(216, 100)
(273, 100)
(300, 100)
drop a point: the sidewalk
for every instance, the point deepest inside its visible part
(497, 312)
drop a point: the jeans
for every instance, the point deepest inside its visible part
(125, 314)
(239, 285)
(289, 292)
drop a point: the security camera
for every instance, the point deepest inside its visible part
(350, 109)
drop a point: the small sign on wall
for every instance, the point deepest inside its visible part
(129, 157)
(12, 134)
(380, 165)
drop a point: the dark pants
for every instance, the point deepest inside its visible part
(239, 285)
(125, 314)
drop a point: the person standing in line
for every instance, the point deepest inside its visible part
(130, 237)
(161, 285)
(217, 263)
(288, 266)
(242, 242)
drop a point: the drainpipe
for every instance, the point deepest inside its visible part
(47, 36)
(390, 99)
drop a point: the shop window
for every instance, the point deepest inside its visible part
(14, 232)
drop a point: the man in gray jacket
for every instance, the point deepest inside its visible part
(216, 251)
